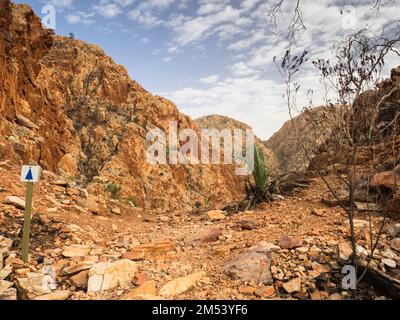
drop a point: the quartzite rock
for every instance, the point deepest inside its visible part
(180, 285)
(110, 275)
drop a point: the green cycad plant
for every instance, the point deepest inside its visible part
(260, 172)
(260, 191)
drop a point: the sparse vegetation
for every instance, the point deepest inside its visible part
(131, 200)
(114, 190)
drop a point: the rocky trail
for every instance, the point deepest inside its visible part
(88, 247)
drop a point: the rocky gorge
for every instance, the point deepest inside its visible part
(107, 225)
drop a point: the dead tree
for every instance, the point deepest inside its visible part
(356, 67)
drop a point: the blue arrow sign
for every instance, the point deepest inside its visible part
(29, 175)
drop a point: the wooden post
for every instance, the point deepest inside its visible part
(27, 221)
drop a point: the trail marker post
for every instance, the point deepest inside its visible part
(29, 174)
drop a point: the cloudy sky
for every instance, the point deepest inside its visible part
(215, 56)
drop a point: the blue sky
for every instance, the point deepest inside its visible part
(215, 56)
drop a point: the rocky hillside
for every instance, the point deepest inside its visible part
(377, 139)
(286, 146)
(66, 105)
(223, 122)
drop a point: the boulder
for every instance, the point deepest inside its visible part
(7, 292)
(80, 280)
(89, 204)
(15, 201)
(35, 284)
(110, 275)
(216, 215)
(388, 179)
(180, 285)
(253, 264)
(212, 235)
(248, 224)
(288, 242)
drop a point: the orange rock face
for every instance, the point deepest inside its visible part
(66, 104)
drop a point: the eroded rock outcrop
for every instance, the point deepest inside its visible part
(285, 142)
(223, 122)
(66, 104)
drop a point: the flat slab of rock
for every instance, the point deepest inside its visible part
(56, 295)
(216, 215)
(15, 201)
(147, 290)
(25, 122)
(368, 206)
(110, 275)
(180, 285)
(253, 264)
(149, 250)
(76, 250)
(76, 268)
(389, 263)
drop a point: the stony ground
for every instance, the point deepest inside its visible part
(85, 247)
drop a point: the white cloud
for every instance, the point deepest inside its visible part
(80, 17)
(144, 17)
(210, 79)
(59, 4)
(210, 7)
(173, 49)
(144, 40)
(108, 10)
(249, 41)
(125, 3)
(240, 69)
(257, 102)
(147, 12)
(199, 28)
